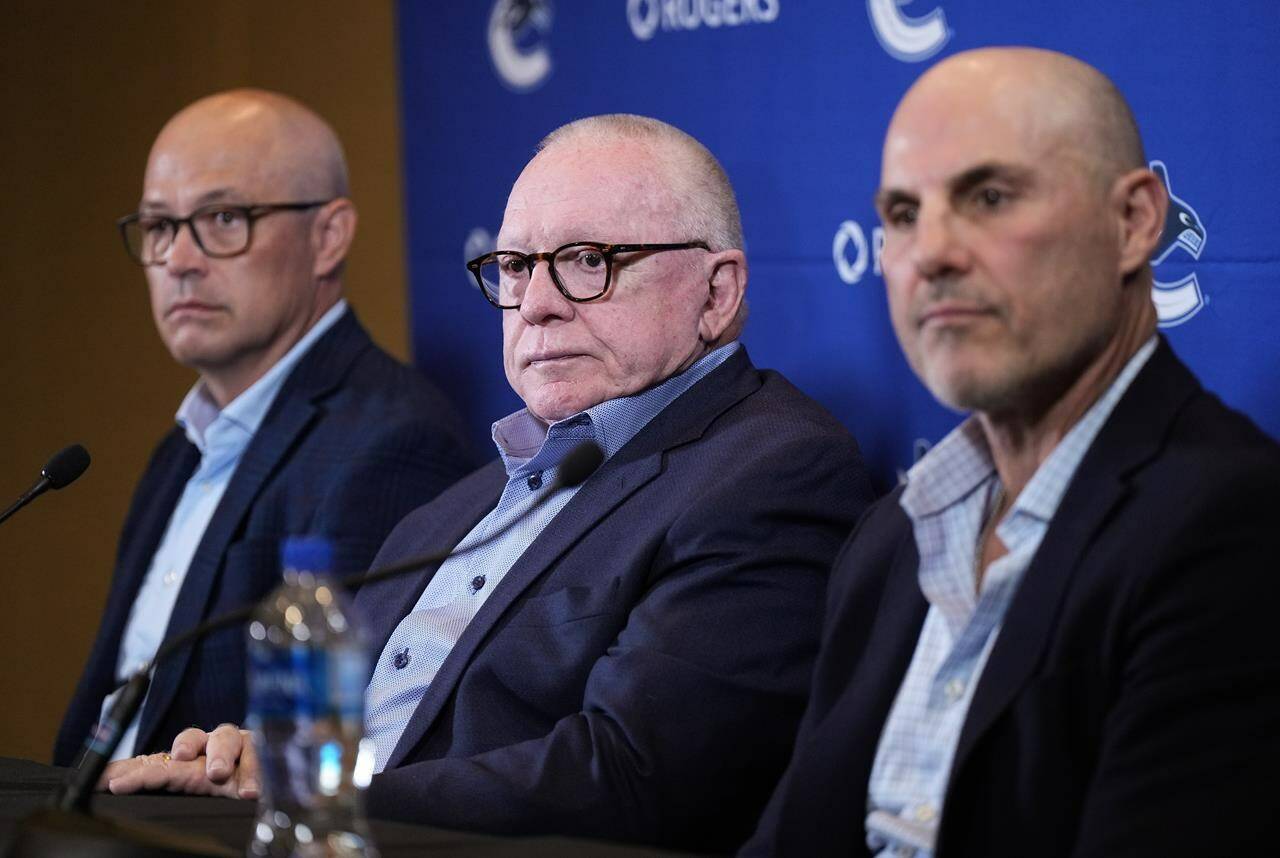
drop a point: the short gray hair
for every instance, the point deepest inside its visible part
(708, 209)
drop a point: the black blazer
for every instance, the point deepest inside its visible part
(640, 672)
(1131, 704)
(352, 442)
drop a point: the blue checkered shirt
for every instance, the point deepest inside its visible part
(948, 495)
(531, 452)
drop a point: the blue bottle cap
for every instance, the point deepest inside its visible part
(307, 553)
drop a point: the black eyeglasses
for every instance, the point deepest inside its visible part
(581, 270)
(220, 230)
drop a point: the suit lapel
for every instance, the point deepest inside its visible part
(292, 412)
(592, 503)
(1032, 615)
(1130, 438)
(626, 472)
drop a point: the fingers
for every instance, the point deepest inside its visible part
(223, 762)
(247, 774)
(222, 752)
(189, 744)
(163, 772)
(115, 770)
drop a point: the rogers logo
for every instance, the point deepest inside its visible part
(646, 17)
(852, 253)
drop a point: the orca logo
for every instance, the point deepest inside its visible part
(908, 39)
(1177, 301)
(517, 29)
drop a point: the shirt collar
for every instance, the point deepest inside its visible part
(954, 468)
(198, 411)
(525, 442)
(961, 462)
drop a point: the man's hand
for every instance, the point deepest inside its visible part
(223, 763)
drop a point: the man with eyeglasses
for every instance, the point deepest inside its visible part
(298, 422)
(628, 659)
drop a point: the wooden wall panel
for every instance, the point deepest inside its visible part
(84, 87)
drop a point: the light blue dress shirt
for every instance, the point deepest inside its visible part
(531, 451)
(948, 495)
(221, 436)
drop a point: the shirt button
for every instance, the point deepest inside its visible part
(954, 690)
(477, 583)
(402, 659)
(535, 482)
(170, 577)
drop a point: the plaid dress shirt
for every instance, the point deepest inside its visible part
(948, 497)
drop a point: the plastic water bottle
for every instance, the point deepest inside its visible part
(308, 665)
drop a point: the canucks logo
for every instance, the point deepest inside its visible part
(517, 30)
(906, 38)
(1178, 300)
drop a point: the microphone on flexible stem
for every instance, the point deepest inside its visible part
(63, 469)
(579, 464)
(65, 828)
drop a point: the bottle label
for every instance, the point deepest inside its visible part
(302, 682)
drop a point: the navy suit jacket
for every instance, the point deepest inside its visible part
(1131, 704)
(640, 672)
(352, 442)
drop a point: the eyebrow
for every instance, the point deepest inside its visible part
(216, 195)
(887, 198)
(959, 185)
(513, 242)
(501, 242)
(975, 176)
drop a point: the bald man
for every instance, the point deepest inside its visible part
(297, 424)
(628, 659)
(1054, 638)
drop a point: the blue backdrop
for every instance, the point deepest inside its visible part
(794, 97)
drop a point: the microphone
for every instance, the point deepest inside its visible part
(63, 469)
(577, 465)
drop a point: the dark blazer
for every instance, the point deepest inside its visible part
(640, 672)
(352, 442)
(1131, 704)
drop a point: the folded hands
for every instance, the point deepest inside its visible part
(223, 762)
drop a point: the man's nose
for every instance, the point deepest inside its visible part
(184, 255)
(542, 299)
(938, 247)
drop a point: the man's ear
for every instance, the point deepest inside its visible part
(727, 287)
(332, 233)
(1140, 202)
